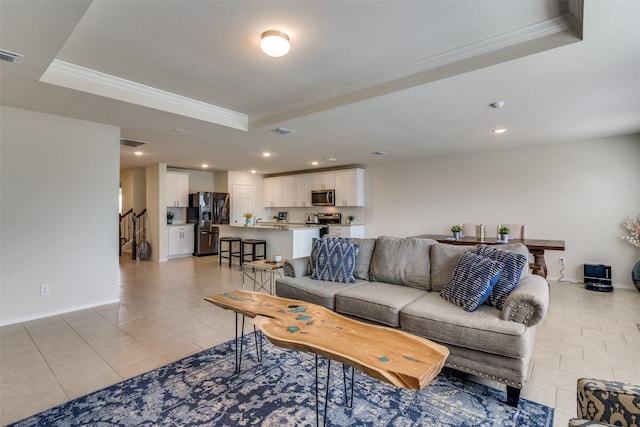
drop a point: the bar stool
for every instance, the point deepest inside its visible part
(254, 243)
(232, 254)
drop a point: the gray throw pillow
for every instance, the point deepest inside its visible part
(363, 259)
(401, 261)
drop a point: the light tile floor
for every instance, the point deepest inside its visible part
(162, 317)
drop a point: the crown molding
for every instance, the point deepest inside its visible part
(73, 76)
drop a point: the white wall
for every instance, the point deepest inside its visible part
(59, 214)
(579, 192)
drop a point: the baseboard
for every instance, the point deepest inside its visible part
(573, 281)
(56, 313)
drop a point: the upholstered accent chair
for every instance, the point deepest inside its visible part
(468, 229)
(607, 403)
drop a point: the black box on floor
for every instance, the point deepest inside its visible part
(597, 277)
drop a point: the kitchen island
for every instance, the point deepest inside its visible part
(290, 240)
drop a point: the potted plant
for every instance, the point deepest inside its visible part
(247, 219)
(457, 231)
(504, 233)
(169, 217)
(350, 218)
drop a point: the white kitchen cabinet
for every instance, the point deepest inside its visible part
(178, 189)
(324, 181)
(346, 230)
(272, 192)
(304, 186)
(181, 240)
(289, 192)
(349, 186)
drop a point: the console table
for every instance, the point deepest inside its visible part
(536, 247)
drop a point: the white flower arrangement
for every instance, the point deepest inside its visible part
(633, 228)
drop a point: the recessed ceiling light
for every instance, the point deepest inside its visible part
(314, 163)
(138, 153)
(266, 154)
(331, 159)
(253, 171)
(204, 165)
(501, 130)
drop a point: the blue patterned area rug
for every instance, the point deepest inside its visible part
(201, 390)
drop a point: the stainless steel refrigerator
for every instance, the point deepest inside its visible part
(206, 209)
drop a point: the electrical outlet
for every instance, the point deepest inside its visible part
(45, 289)
(562, 260)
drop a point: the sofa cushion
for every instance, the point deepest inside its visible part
(376, 301)
(508, 280)
(483, 330)
(313, 291)
(472, 280)
(335, 260)
(363, 259)
(444, 258)
(518, 248)
(402, 261)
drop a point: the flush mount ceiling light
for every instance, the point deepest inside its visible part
(204, 166)
(314, 163)
(275, 43)
(138, 153)
(266, 154)
(501, 130)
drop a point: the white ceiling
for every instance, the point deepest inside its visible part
(411, 78)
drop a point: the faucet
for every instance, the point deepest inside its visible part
(255, 222)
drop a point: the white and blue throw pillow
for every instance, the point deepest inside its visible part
(334, 260)
(472, 280)
(513, 265)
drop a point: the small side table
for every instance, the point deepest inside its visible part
(262, 274)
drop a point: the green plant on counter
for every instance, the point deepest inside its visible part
(456, 228)
(351, 217)
(504, 230)
(169, 215)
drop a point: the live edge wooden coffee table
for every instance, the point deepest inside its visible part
(388, 355)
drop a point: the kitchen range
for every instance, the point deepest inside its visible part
(206, 209)
(324, 220)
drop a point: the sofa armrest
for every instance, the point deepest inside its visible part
(296, 267)
(528, 302)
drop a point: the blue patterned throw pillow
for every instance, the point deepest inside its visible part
(472, 280)
(513, 265)
(335, 260)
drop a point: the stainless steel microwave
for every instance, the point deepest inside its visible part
(323, 197)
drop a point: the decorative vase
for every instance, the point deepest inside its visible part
(456, 235)
(504, 237)
(169, 220)
(635, 275)
(247, 222)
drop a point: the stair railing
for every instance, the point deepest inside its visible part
(134, 245)
(124, 230)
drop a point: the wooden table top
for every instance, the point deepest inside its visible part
(387, 354)
(265, 264)
(535, 244)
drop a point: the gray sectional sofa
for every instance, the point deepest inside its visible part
(398, 283)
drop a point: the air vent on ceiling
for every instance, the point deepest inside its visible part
(282, 131)
(10, 56)
(131, 142)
